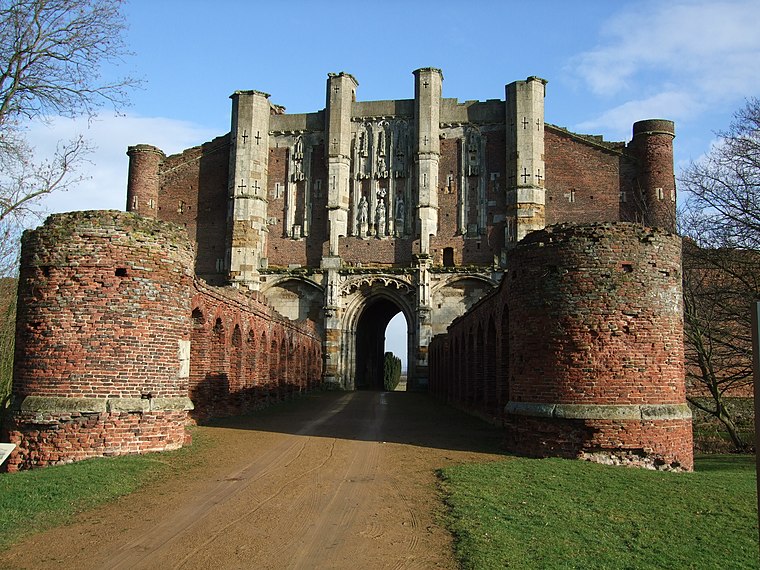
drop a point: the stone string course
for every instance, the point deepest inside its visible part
(117, 343)
(585, 335)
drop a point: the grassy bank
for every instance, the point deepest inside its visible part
(32, 501)
(550, 513)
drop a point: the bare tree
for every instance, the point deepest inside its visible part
(723, 210)
(718, 342)
(52, 57)
(722, 263)
(7, 339)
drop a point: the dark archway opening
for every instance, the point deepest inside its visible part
(370, 343)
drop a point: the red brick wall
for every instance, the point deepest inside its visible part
(282, 250)
(470, 251)
(591, 173)
(143, 179)
(245, 356)
(107, 302)
(193, 193)
(617, 442)
(73, 339)
(653, 146)
(80, 435)
(601, 316)
(593, 318)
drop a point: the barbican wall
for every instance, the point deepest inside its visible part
(117, 342)
(581, 347)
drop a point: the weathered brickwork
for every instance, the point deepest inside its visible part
(591, 363)
(585, 179)
(307, 234)
(111, 342)
(420, 186)
(245, 356)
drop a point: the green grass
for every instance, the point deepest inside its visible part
(32, 501)
(553, 513)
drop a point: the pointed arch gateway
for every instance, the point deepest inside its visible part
(368, 313)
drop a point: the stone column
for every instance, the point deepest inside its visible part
(427, 111)
(341, 93)
(249, 159)
(526, 195)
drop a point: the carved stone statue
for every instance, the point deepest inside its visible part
(400, 207)
(298, 174)
(380, 217)
(363, 215)
(382, 167)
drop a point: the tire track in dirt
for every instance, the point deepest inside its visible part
(159, 538)
(338, 481)
(329, 532)
(305, 508)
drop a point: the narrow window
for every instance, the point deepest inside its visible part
(448, 257)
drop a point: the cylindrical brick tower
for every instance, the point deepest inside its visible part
(653, 146)
(102, 339)
(596, 346)
(142, 181)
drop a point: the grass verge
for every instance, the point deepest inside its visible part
(553, 513)
(33, 501)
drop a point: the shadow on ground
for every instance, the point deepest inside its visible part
(396, 417)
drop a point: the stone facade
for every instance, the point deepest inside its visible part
(412, 205)
(269, 261)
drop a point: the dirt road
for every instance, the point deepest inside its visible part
(336, 480)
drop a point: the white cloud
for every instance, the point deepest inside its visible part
(655, 54)
(616, 122)
(106, 183)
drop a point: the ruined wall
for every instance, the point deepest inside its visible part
(188, 189)
(594, 343)
(245, 356)
(102, 341)
(584, 179)
(108, 318)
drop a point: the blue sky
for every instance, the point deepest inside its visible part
(608, 64)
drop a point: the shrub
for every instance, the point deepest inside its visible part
(391, 371)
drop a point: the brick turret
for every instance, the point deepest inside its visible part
(102, 338)
(596, 345)
(143, 180)
(653, 147)
(584, 337)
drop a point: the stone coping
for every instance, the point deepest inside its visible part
(58, 405)
(640, 412)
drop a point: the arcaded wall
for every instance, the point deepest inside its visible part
(116, 342)
(595, 347)
(245, 356)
